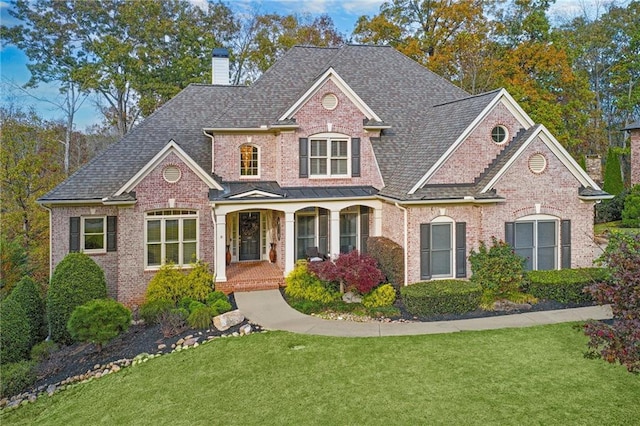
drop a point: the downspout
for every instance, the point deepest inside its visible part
(406, 244)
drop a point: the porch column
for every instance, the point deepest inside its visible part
(289, 245)
(221, 248)
(334, 246)
(377, 222)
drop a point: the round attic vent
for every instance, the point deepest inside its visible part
(171, 174)
(537, 163)
(329, 101)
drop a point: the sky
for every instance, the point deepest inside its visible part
(13, 62)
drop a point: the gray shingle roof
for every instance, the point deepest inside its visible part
(232, 189)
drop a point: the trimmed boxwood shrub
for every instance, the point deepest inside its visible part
(27, 293)
(16, 377)
(99, 321)
(441, 297)
(390, 258)
(383, 295)
(169, 283)
(565, 285)
(15, 338)
(76, 280)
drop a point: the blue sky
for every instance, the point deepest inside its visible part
(344, 13)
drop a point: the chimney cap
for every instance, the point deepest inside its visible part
(220, 52)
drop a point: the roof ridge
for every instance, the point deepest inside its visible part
(469, 97)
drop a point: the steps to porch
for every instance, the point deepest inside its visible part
(251, 276)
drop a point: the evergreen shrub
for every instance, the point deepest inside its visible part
(441, 297)
(302, 284)
(390, 258)
(99, 321)
(565, 285)
(27, 294)
(631, 211)
(76, 280)
(16, 377)
(150, 311)
(15, 335)
(380, 296)
(43, 350)
(200, 317)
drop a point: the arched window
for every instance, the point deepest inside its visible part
(249, 161)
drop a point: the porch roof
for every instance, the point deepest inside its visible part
(272, 191)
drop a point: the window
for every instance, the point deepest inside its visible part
(249, 161)
(171, 236)
(536, 241)
(443, 249)
(94, 237)
(329, 156)
(499, 134)
(348, 229)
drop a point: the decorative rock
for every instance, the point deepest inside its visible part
(96, 367)
(51, 389)
(115, 368)
(227, 320)
(191, 341)
(162, 346)
(508, 306)
(245, 329)
(351, 297)
(179, 342)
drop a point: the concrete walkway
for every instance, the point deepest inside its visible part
(270, 310)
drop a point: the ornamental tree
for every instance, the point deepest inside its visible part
(353, 271)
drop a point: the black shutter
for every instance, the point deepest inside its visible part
(461, 249)
(323, 231)
(112, 228)
(74, 234)
(425, 251)
(364, 228)
(509, 233)
(304, 157)
(355, 157)
(565, 239)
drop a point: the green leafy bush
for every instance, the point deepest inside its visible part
(43, 350)
(564, 285)
(498, 270)
(301, 284)
(169, 283)
(220, 306)
(16, 377)
(201, 317)
(150, 311)
(76, 280)
(195, 305)
(99, 321)
(15, 338)
(390, 258)
(611, 210)
(383, 295)
(441, 297)
(631, 211)
(27, 294)
(215, 296)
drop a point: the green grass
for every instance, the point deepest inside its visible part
(602, 228)
(514, 376)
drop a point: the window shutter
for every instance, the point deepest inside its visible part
(112, 228)
(364, 228)
(304, 157)
(509, 233)
(355, 157)
(461, 249)
(565, 238)
(74, 234)
(323, 231)
(425, 251)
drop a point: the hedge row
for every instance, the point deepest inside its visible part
(564, 285)
(441, 297)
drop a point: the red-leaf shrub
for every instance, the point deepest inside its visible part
(619, 341)
(357, 272)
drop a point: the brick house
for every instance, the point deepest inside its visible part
(330, 146)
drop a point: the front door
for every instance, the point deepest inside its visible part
(249, 229)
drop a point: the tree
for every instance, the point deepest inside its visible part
(612, 174)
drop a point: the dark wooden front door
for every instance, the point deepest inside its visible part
(249, 224)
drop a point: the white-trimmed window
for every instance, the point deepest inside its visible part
(171, 236)
(249, 161)
(94, 235)
(537, 242)
(329, 155)
(443, 249)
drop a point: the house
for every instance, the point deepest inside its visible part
(329, 146)
(634, 143)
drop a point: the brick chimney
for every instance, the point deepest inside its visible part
(594, 168)
(220, 66)
(634, 143)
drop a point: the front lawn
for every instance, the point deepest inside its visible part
(604, 229)
(512, 376)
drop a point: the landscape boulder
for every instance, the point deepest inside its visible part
(227, 320)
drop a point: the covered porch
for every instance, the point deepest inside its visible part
(253, 275)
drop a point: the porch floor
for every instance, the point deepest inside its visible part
(250, 276)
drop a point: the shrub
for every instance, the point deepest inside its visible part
(441, 297)
(383, 295)
(200, 317)
(200, 280)
(27, 294)
(564, 285)
(214, 296)
(169, 283)
(390, 257)
(618, 342)
(15, 338)
(301, 284)
(173, 321)
(195, 305)
(76, 280)
(16, 377)
(150, 311)
(498, 269)
(43, 350)
(99, 321)
(611, 210)
(185, 302)
(612, 175)
(220, 306)
(354, 271)
(631, 211)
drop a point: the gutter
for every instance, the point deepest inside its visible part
(406, 244)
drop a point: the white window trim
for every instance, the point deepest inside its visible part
(535, 218)
(163, 218)
(440, 220)
(328, 137)
(104, 235)
(256, 176)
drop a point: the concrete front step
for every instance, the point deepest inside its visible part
(250, 285)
